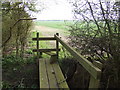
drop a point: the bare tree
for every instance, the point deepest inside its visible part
(16, 25)
(96, 34)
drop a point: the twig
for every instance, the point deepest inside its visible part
(13, 27)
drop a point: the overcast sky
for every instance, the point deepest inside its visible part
(55, 10)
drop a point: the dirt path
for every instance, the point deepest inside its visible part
(47, 32)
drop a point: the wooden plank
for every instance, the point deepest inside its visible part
(44, 38)
(51, 75)
(60, 78)
(53, 57)
(44, 83)
(50, 53)
(94, 71)
(44, 50)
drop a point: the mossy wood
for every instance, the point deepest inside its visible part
(43, 74)
(59, 76)
(44, 50)
(51, 75)
(57, 46)
(50, 53)
(95, 83)
(53, 57)
(37, 46)
(44, 38)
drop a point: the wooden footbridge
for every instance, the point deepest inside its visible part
(50, 74)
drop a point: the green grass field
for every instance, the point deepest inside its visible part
(55, 24)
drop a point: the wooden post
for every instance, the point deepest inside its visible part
(94, 83)
(40, 54)
(37, 45)
(57, 47)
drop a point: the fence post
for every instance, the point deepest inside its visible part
(39, 54)
(37, 45)
(57, 47)
(95, 83)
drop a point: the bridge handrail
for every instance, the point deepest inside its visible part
(94, 71)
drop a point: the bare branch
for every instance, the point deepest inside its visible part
(11, 28)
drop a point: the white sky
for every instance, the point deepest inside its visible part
(55, 10)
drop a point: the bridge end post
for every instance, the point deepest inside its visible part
(37, 45)
(57, 47)
(39, 54)
(95, 83)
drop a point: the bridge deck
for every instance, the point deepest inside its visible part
(51, 75)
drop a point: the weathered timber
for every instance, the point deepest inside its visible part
(44, 82)
(53, 57)
(44, 50)
(37, 46)
(51, 75)
(94, 71)
(50, 53)
(94, 83)
(57, 46)
(44, 38)
(59, 76)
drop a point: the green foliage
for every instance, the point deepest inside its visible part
(63, 53)
(18, 71)
(11, 61)
(5, 85)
